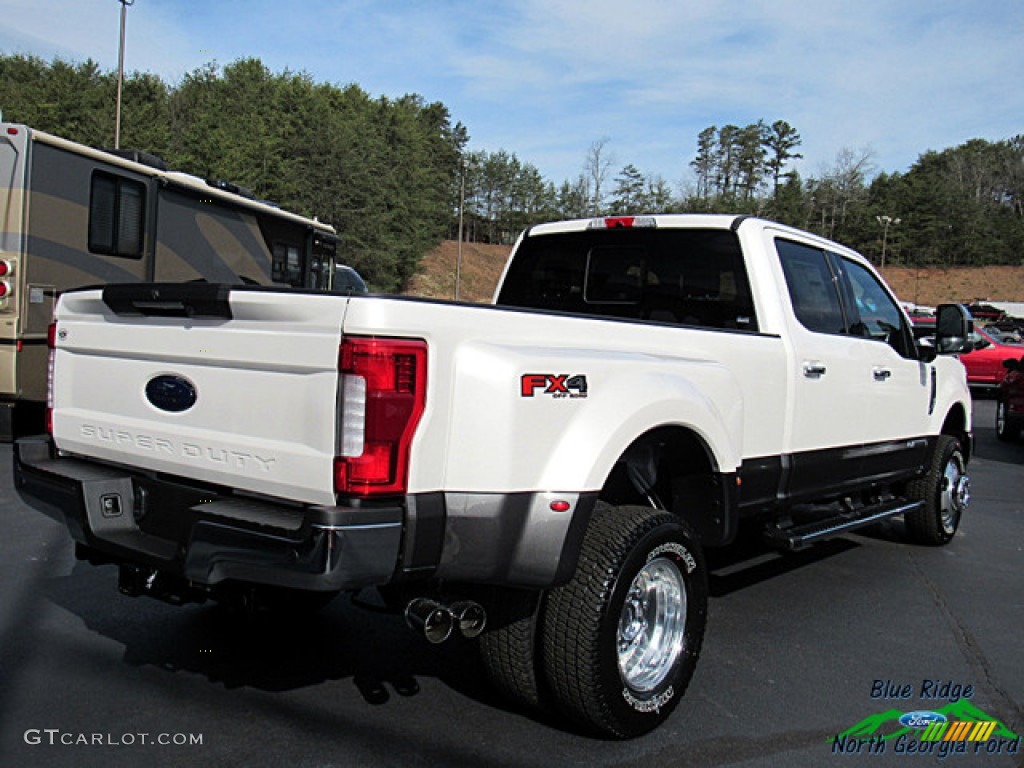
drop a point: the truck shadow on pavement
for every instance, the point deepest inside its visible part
(348, 639)
(750, 561)
(352, 638)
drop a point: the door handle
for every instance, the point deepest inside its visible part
(814, 370)
(881, 374)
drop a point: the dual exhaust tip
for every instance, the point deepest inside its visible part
(436, 621)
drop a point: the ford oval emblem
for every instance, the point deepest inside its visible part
(921, 719)
(171, 393)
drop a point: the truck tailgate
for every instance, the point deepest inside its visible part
(238, 389)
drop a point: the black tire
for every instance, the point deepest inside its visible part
(1006, 429)
(585, 620)
(508, 645)
(945, 491)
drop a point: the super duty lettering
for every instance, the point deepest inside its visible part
(543, 474)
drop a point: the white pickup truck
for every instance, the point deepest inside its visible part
(545, 472)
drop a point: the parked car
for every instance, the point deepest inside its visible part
(347, 281)
(985, 312)
(1010, 407)
(984, 362)
(923, 328)
(1005, 336)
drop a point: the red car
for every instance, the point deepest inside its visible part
(985, 363)
(1010, 408)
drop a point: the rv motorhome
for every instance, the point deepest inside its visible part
(72, 216)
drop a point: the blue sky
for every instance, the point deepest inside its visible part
(547, 78)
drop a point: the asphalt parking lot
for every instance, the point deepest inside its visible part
(799, 649)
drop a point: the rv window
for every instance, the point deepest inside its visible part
(117, 210)
(287, 265)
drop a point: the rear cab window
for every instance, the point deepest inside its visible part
(689, 277)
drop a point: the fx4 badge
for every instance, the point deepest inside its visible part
(563, 385)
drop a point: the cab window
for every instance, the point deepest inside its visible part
(877, 316)
(812, 287)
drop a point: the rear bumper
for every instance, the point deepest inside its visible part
(205, 538)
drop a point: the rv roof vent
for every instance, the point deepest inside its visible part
(138, 156)
(228, 186)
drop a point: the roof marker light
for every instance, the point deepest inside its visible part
(623, 222)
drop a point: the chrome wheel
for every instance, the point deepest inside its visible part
(621, 638)
(1007, 429)
(652, 625)
(955, 494)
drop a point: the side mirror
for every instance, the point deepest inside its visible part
(953, 327)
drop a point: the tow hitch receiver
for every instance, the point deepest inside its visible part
(135, 580)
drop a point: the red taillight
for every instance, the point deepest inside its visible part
(6, 271)
(51, 342)
(383, 385)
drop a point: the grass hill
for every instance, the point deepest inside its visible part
(481, 269)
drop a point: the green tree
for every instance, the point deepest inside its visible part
(780, 141)
(750, 160)
(628, 195)
(704, 164)
(573, 200)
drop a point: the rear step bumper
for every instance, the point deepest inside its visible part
(204, 538)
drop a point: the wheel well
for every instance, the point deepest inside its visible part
(955, 425)
(672, 468)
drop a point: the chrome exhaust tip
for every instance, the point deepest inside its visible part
(431, 619)
(470, 616)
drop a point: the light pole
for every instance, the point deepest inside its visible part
(458, 247)
(120, 73)
(884, 222)
(462, 206)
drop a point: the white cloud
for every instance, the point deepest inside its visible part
(544, 78)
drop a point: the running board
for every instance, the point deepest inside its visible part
(802, 535)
